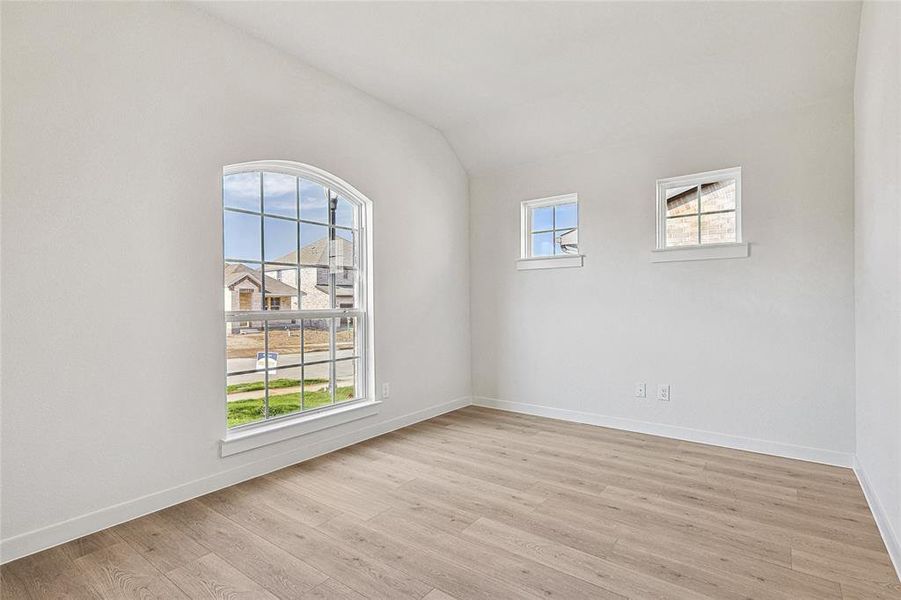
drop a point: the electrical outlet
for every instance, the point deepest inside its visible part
(386, 390)
(641, 390)
(663, 392)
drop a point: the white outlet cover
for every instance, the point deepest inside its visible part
(663, 392)
(641, 390)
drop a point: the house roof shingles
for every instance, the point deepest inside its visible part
(316, 253)
(235, 272)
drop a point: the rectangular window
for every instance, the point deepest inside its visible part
(550, 227)
(699, 210)
(295, 312)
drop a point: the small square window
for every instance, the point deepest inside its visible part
(699, 210)
(550, 227)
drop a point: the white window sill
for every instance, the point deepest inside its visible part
(708, 252)
(285, 429)
(550, 262)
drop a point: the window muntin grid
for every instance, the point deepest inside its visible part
(550, 227)
(310, 286)
(699, 210)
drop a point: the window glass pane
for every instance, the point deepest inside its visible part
(566, 216)
(280, 238)
(682, 231)
(346, 380)
(275, 263)
(718, 228)
(566, 242)
(344, 248)
(718, 196)
(543, 218)
(314, 288)
(284, 391)
(681, 201)
(244, 396)
(313, 203)
(244, 345)
(284, 343)
(316, 335)
(345, 213)
(314, 248)
(346, 338)
(281, 288)
(242, 236)
(280, 194)
(345, 288)
(316, 390)
(242, 190)
(543, 244)
(241, 285)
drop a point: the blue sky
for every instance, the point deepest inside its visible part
(557, 218)
(242, 231)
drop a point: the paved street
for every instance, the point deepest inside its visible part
(320, 371)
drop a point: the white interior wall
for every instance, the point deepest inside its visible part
(117, 120)
(758, 351)
(877, 228)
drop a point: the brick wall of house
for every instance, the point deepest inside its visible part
(715, 228)
(313, 297)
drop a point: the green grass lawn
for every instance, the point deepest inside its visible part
(255, 386)
(250, 410)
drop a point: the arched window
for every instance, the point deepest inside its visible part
(296, 288)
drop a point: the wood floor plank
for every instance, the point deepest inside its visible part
(11, 586)
(480, 503)
(282, 574)
(164, 546)
(369, 577)
(50, 574)
(853, 589)
(425, 564)
(90, 543)
(591, 568)
(585, 510)
(331, 589)
(281, 496)
(212, 578)
(437, 594)
(120, 572)
(528, 575)
(330, 492)
(784, 581)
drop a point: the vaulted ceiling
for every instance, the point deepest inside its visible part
(515, 82)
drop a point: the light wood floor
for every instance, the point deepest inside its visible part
(493, 505)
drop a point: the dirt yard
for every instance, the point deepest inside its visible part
(246, 345)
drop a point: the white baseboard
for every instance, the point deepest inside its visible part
(889, 535)
(819, 455)
(59, 533)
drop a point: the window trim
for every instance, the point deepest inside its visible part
(526, 261)
(260, 433)
(699, 251)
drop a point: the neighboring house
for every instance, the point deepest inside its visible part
(243, 291)
(242, 283)
(569, 241)
(314, 273)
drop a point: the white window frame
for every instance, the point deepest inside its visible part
(526, 261)
(268, 431)
(699, 251)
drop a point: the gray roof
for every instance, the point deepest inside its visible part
(316, 253)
